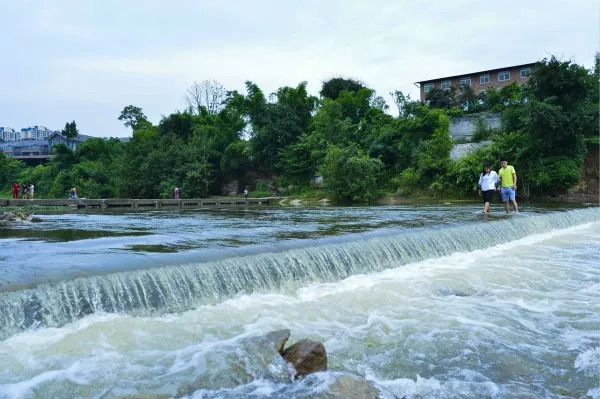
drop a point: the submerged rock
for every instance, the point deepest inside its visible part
(341, 386)
(306, 356)
(8, 217)
(242, 362)
(261, 364)
(36, 219)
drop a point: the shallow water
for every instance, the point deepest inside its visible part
(480, 317)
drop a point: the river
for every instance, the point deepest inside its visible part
(429, 301)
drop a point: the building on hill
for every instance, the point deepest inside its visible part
(479, 81)
(37, 151)
(36, 133)
(9, 134)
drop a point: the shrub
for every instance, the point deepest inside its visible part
(350, 175)
(557, 173)
(481, 131)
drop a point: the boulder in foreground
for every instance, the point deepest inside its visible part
(306, 356)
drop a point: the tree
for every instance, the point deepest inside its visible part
(333, 87)
(558, 92)
(406, 107)
(351, 175)
(466, 98)
(70, 131)
(209, 94)
(134, 118)
(442, 98)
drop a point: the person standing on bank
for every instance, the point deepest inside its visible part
(245, 193)
(31, 189)
(488, 180)
(508, 177)
(176, 193)
(15, 190)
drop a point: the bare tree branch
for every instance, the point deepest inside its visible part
(209, 94)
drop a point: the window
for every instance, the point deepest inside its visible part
(525, 72)
(465, 81)
(446, 84)
(484, 78)
(427, 88)
(503, 76)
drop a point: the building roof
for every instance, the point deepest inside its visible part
(24, 144)
(481, 71)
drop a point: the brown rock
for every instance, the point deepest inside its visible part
(345, 386)
(306, 356)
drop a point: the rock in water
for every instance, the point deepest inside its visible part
(278, 339)
(306, 356)
(8, 216)
(36, 219)
(241, 362)
(341, 386)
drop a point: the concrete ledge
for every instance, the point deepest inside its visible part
(134, 203)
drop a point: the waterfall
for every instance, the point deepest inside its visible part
(183, 287)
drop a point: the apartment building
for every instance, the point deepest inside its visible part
(481, 80)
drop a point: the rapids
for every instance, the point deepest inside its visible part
(503, 307)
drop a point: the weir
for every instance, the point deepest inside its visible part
(135, 203)
(183, 287)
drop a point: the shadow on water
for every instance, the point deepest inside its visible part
(64, 235)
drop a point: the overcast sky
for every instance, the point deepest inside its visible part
(85, 60)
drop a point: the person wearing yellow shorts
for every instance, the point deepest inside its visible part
(508, 186)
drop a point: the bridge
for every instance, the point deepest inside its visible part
(139, 203)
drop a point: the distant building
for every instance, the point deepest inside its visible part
(8, 134)
(479, 81)
(37, 150)
(36, 133)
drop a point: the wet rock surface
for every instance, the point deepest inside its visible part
(261, 364)
(306, 356)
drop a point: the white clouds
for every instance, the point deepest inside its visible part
(89, 59)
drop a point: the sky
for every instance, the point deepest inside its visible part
(85, 60)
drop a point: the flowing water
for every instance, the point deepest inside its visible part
(423, 301)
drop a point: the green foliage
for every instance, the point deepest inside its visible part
(481, 131)
(350, 175)
(333, 87)
(556, 173)
(442, 98)
(70, 131)
(407, 180)
(134, 118)
(9, 170)
(346, 136)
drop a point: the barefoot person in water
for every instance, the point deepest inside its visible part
(488, 180)
(508, 177)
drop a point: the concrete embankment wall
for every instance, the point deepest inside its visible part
(463, 127)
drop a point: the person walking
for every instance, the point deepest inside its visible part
(24, 190)
(245, 193)
(15, 190)
(31, 190)
(488, 180)
(508, 188)
(176, 193)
